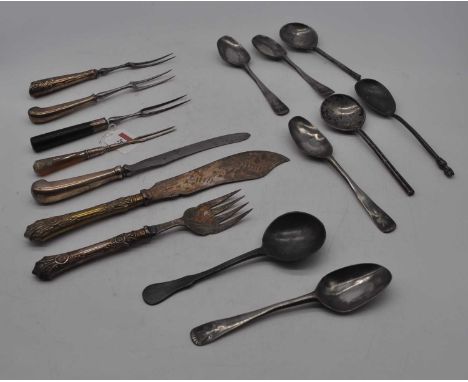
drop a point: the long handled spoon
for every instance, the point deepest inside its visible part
(235, 54)
(290, 237)
(341, 291)
(379, 99)
(313, 143)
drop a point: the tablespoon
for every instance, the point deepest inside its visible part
(345, 114)
(291, 237)
(303, 37)
(313, 143)
(235, 54)
(271, 49)
(341, 291)
(380, 100)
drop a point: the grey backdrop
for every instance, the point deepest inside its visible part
(92, 323)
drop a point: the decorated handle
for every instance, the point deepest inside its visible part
(68, 134)
(53, 84)
(40, 115)
(45, 229)
(50, 267)
(45, 192)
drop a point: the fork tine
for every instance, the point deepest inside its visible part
(150, 78)
(150, 108)
(165, 109)
(143, 87)
(227, 215)
(219, 200)
(228, 224)
(156, 61)
(223, 207)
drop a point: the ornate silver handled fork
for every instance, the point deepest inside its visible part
(207, 218)
(45, 114)
(50, 85)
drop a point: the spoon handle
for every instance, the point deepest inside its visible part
(380, 218)
(442, 163)
(398, 177)
(211, 331)
(276, 104)
(343, 67)
(155, 293)
(320, 88)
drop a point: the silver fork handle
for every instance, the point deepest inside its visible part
(380, 218)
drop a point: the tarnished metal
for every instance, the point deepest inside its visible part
(50, 165)
(235, 54)
(46, 192)
(235, 168)
(59, 137)
(50, 85)
(341, 291)
(45, 114)
(204, 219)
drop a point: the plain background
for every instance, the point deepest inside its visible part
(92, 322)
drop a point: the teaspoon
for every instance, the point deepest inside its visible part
(379, 99)
(235, 54)
(313, 143)
(345, 114)
(302, 37)
(341, 291)
(271, 49)
(291, 237)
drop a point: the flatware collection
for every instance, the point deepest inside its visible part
(291, 237)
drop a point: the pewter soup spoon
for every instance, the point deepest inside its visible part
(341, 291)
(345, 114)
(235, 54)
(379, 99)
(314, 144)
(303, 37)
(271, 49)
(289, 238)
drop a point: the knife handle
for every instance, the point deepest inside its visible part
(40, 115)
(50, 85)
(45, 229)
(45, 192)
(50, 267)
(59, 137)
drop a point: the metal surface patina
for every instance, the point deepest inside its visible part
(341, 291)
(50, 85)
(235, 168)
(46, 192)
(208, 218)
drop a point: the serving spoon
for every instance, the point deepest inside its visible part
(379, 99)
(235, 54)
(291, 237)
(303, 37)
(271, 49)
(343, 113)
(341, 291)
(313, 143)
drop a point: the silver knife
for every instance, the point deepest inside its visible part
(45, 192)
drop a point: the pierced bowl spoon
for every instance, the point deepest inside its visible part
(314, 144)
(271, 49)
(235, 54)
(291, 237)
(341, 291)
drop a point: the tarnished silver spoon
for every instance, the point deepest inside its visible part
(341, 291)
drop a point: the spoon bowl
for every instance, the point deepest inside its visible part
(268, 47)
(232, 52)
(309, 139)
(293, 236)
(343, 113)
(349, 288)
(299, 36)
(376, 96)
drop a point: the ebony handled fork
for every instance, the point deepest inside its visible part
(207, 218)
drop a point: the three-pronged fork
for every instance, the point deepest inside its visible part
(207, 218)
(53, 84)
(50, 113)
(72, 133)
